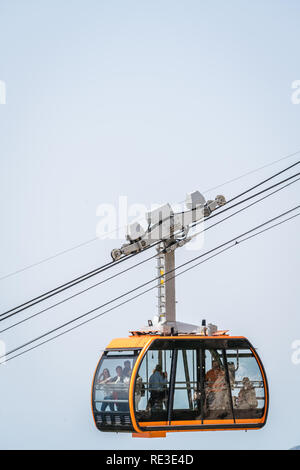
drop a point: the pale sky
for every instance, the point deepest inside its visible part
(148, 100)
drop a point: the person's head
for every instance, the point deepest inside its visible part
(246, 382)
(158, 368)
(127, 365)
(119, 370)
(215, 364)
(127, 372)
(106, 373)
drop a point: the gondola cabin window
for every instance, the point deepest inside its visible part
(111, 387)
(247, 387)
(185, 405)
(152, 386)
(199, 384)
(217, 393)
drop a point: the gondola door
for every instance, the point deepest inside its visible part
(186, 405)
(168, 385)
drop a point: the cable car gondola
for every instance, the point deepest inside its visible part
(173, 376)
(202, 383)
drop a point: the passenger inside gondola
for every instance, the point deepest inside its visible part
(119, 377)
(247, 387)
(117, 392)
(104, 377)
(213, 374)
(139, 391)
(104, 380)
(157, 389)
(127, 369)
(123, 394)
(217, 398)
(247, 397)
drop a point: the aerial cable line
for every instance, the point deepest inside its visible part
(84, 277)
(18, 271)
(217, 209)
(74, 295)
(264, 181)
(243, 208)
(63, 287)
(137, 264)
(44, 260)
(63, 252)
(244, 200)
(233, 240)
(252, 171)
(146, 291)
(104, 267)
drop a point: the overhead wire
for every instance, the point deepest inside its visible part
(63, 287)
(244, 208)
(59, 289)
(263, 182)
(233, 240)
(74, 295)
(252, 171)
(91, 240)
(225, 209)
(138, 264)
(142, 293)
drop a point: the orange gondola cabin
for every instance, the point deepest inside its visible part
(149, 385)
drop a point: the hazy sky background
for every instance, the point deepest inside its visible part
(149, 100)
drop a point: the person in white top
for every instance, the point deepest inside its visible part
(104, 380)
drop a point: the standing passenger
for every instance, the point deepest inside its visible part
(157, 387)
(247, 396)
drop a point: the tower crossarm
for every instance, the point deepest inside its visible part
(166, 226)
